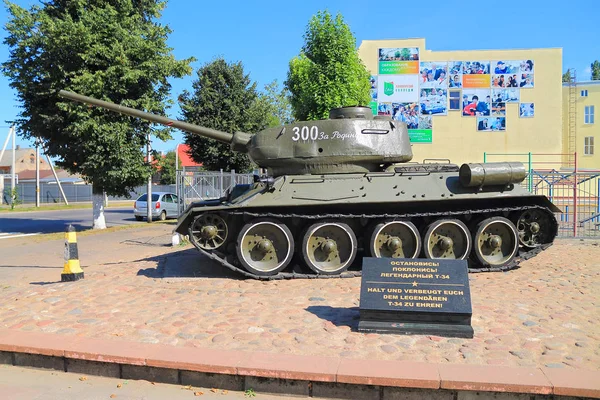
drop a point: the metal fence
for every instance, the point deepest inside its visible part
(577, 194)
(194, 185)
(50, 193)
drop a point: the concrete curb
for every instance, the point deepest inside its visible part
(290, 374)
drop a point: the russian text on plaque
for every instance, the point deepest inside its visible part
(412, 296)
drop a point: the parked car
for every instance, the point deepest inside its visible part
(164, 205)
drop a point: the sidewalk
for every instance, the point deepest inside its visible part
(137, 288)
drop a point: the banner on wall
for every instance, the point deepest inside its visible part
(413, 91)
(476, 74)
(512, 74)
(455, 74)
(399, 61)
(491, 124)
(397, 88)
(433, 75)
(420, 135)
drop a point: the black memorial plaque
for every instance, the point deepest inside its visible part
(412, 296)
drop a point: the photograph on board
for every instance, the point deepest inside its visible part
(476, 102)
(406, 112)
(498, 106)
(434, 101)
(526, 110)
(384, 109)
(526, 67)
(526, 81)
(504, 67)
(491, 123)
(476, 67)
(506, 95)
(373, 80)
(425, 122)
(374, 94)
(455, 74)
(505, 80)
(399, 54)
(433, 75)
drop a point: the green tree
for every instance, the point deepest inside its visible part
(405, 54)
(276, 100)
(595, 70)
(167, 169)
(223, 98)
(567, 76)
(112, 50)
(328, 72)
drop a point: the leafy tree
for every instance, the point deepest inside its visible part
(276, 100)
(167, 168)
(328, 73)
(595, 70)
(567, 76)
(111, 50)
(223, 98)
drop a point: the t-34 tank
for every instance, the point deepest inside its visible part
(342, 188)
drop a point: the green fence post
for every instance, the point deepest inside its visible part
(530, 183)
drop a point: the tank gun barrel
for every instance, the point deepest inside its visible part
(184, 126)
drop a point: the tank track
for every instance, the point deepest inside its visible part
(522, 256)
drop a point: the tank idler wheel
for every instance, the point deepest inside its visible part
(534, 228)
(265, 246)
(447, 238)
(495, 242)
(395, 239)
(329, 248)
(208, 231)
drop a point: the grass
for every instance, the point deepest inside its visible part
(52, 207)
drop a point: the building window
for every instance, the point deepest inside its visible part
(584, 93)
(588, 146)
(454, 100)
(589, 115)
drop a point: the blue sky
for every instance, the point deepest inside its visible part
(265, 35)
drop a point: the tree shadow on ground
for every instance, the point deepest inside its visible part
(339, 316)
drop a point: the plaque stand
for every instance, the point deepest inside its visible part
(409, 323)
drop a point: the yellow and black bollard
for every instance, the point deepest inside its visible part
(72, 270)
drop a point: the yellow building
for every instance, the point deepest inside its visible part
(581, 127)
(521, 92)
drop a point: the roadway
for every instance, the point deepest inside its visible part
(13, 224)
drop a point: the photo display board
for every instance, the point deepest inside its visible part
(413, 91)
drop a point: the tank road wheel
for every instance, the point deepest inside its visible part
(447, 238)
(395, 239)
(208, 231)
(328, 248)
(534, 227)
(495, 242)
(265, 247)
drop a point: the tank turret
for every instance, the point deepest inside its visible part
(352, 140)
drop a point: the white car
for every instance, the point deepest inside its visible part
(164, 205)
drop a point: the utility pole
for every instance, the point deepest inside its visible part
(149, 190)
(37, 172)
(13, 168)
(176, 174)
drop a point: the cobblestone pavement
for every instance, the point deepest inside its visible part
(546, 313)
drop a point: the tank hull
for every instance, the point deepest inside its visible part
(361, 203)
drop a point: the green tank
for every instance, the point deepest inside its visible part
(340, 189)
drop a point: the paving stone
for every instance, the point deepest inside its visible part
(198, 312)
